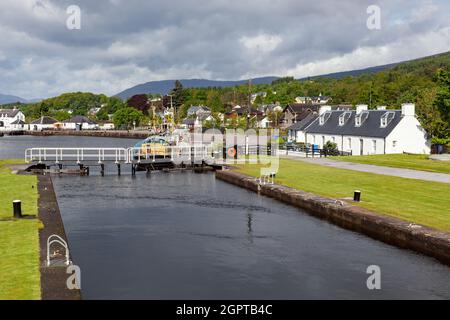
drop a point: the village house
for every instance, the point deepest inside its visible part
(366, 132)
(79, 123)
(195, 111)
(313, 100)
(11, 119)
(43, 123)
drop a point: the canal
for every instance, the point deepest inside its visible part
(183, 235)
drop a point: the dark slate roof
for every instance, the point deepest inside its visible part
(9, 112)
(44, 120)
(302, 107)
(18, 122)
(300, 125)
(369, 128)
(189, 121)
(79, 119)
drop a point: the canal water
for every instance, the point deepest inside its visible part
(184, 235)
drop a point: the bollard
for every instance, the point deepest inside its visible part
(118, 169)
(357, 196)
(17, 206)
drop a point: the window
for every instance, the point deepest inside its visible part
(333, 139)
(324, 117)
(349, 140)
(344, 117)
(374, 146)
(394, 144)
(323, 141)
(386, 118)
(360, 118)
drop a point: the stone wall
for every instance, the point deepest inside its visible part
(394, 231)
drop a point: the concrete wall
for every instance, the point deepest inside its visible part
(387, 229)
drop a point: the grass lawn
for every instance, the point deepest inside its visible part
(406, 161)
(422, 202)
(19, 243)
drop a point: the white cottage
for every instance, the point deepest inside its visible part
(79, 123)
(11, 119)
(43, 123)
(365, 132)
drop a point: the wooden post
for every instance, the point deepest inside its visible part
(17, 207)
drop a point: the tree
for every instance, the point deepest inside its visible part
(178, 94)
(442, 101)
(127, 117)
(139, 102)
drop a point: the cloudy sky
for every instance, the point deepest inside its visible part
(122, 43)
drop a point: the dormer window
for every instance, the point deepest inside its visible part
(324, 117)
(360, 118)
(386, 119)
(344, 117)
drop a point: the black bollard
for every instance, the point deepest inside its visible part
(357, 196)
(118, 169)
(17, 206)
(102, 166)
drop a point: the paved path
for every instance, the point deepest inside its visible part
(398, 172)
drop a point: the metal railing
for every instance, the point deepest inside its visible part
(80, 155)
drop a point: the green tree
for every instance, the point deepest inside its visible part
(126, 117)
(178, 94)
(442, 101)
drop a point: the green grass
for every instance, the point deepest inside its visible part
(19, 243)
(406, 161)
(421, 202)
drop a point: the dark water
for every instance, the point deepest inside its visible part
(185, 235)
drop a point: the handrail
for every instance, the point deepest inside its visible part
(60, 241)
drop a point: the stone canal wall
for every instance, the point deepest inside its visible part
(92, 133)
(53, 278)
(387, 229)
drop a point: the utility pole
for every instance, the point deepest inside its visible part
(249, 110)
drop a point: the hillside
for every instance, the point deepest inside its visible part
(163, 87)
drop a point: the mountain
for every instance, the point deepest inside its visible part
(6, 98)
(163, 87)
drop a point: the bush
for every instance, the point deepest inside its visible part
(331, 149)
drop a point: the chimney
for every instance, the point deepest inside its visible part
(360, 108)
(408, 109)
(324, 109)
(381, 108)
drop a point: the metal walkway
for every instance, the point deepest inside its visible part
(176, 154)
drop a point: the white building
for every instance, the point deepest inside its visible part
(79, 123)
(43, 123)
(365, 132)
(11, 119)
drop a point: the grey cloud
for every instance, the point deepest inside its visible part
(122, 43)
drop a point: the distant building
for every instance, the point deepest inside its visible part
(79, 123)
(365, 132)
(107, 126)
(296, 112)
(43, 123)
(10, 119)
(313, 100)
(195, 111)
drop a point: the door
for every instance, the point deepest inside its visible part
(361, 146)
